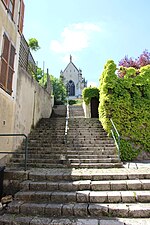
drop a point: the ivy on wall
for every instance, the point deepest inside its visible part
(89, 93)
(127, 101)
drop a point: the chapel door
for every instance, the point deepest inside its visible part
(94, 107)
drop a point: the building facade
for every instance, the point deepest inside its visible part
(73, 80)
(22, 100)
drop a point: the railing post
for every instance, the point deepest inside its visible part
(117, 142)
(26, 152)
(26, 146)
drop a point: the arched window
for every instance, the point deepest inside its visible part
(71, 88)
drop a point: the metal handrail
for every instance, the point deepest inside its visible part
(67, 126)
(117, 141)
(26, 146)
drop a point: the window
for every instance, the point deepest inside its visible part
(7, 65)
(70, 88)
(21, 16)
(10, 5)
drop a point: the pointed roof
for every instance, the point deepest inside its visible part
(71, 63)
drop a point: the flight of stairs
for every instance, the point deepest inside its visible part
(81, 182)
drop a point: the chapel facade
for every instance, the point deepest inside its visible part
(73, 80)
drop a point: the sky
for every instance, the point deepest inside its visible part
(92, 31)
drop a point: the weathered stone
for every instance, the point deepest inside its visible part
(53, 210)
(42, 196)
(111, 222)
(32, 209)
(71, 197)
(84, 184)
(87, 222)
(114, 196)
(134, 185)
(98, 210)
(82, 196)
(25, 196)
(145, 184)
(37, 176)
(118, 185)
(63, 222)
(143, 196)
(97, 196)
(40, 221)
(7, 199)
(37, 186)
(14, 207)
(67, 209)
(25, 185)
(21, 220)
(65, 186)
(59, 197)
(100, 185)
(80, 209)
(128, 196)
(118, 210)
(52, 186)
(139, 210)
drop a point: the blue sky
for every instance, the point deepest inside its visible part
(92, 31)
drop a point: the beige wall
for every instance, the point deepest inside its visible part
(19, 116)
(32, 103)
(29, 101)
(87, 110)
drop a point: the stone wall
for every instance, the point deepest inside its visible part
(33, 102)
(87, 110)
(19, 115)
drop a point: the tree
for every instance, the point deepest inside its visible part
(59, 90)
(126, 62)
(33, 44)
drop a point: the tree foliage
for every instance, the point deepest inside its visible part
(127, 102)
(59, 90)
(126, 62)
(89, 93)
(33, 44)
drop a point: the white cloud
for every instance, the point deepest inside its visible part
(74, 38)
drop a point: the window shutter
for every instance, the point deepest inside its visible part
(5, 3)
(3, 74)
(21, 17)
(6, 42)
(4, 61)
(12, 56)
(10, 69)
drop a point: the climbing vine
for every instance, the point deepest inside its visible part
(89, 93)
(127, 101)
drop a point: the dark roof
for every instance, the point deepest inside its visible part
(73, 66)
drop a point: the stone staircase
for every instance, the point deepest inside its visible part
(81, 182)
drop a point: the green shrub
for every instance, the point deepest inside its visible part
(89, 93)
(127, 101)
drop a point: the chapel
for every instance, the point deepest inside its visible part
(73, 80)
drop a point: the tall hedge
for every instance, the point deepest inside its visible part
(89, 93)
(127, 101)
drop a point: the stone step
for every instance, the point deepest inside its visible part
(58, 155)
(96, 165)
(62, 160)
(85, 196)
(93, 174)
(104, 185)
(81, 209)
(64, 164)
(87, 160)
(39, 220)
(70, 140)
